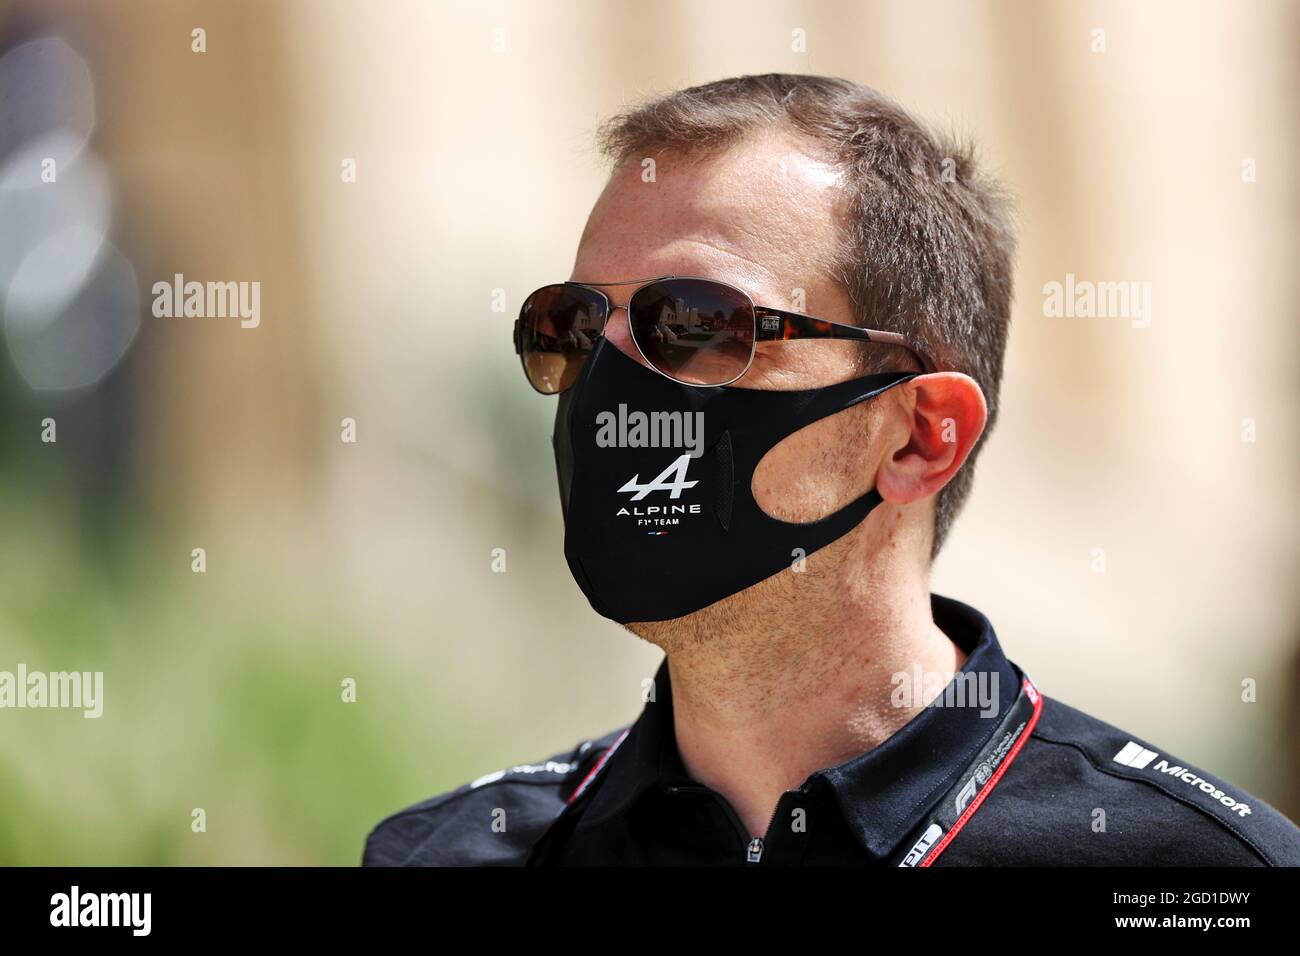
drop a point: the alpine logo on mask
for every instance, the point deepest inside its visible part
(676, 470)
(672, 480)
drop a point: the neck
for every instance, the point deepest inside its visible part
(809, 683)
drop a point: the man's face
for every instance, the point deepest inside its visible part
(764, 217)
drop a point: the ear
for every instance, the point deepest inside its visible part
(940, 417)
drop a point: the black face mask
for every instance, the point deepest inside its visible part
(652, 534)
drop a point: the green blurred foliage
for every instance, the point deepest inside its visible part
(231, 704)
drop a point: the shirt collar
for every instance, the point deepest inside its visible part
(882, 793)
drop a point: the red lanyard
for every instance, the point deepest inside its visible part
(977, 782)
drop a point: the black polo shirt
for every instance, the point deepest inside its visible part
(991, 773)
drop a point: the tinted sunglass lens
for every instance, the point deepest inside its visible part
(558, 328)
(694, 330)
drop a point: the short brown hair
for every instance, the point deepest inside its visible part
(929, 241)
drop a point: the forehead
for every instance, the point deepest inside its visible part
(764, 214)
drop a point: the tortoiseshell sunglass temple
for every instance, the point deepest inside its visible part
(777, 325)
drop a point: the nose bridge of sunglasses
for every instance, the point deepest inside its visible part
(622, 333)
(618, 324)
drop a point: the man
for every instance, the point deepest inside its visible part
(776, 359)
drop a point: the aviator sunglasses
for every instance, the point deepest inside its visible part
(695, 331)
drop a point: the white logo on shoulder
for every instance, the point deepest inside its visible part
(551, 766)
(1139, 758)
(1135, 756)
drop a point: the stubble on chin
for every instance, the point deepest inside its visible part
(776, 611)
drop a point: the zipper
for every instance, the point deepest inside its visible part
(754, 852)
(754, 846)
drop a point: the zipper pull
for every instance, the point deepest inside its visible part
(754, 852)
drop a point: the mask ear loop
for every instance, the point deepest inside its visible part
(827, 401)
(824, 402)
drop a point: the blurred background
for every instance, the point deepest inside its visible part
(1132, 533)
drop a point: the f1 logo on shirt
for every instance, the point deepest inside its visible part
(676, 470)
